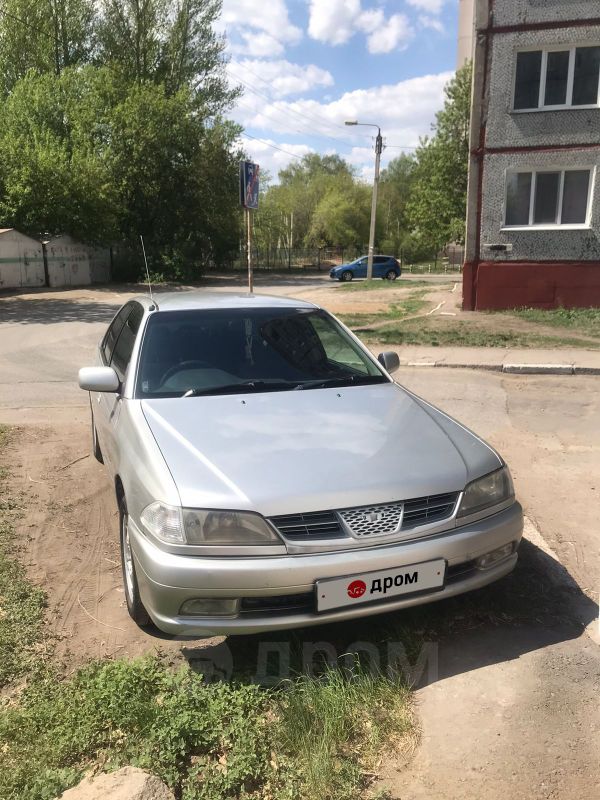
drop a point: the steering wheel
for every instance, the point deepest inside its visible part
(182, 366)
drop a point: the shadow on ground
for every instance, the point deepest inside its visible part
(530, 609)
(48, 311)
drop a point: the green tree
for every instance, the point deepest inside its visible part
(437, 205)
(43, 35)
(342, 217)
(171, 42)
(394, 192)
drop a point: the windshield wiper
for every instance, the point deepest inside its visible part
(241, 388)
(346, 380)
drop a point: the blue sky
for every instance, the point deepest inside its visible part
(307, 65)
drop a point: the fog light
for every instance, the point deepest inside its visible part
(211, 607)
(489, 559)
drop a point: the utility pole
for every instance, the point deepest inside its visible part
(378, 151)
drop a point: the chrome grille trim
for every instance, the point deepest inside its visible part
(322, 525)
(380, 520)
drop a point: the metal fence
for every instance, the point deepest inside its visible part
(323, 259)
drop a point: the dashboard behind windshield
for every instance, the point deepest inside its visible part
(201, 351)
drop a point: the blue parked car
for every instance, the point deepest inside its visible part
(383, 267)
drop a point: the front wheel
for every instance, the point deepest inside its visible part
(135, 607)
(391, 275)
(347, 276)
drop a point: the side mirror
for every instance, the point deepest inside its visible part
(99, 379)
(389, 361)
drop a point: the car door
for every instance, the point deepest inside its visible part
(120, 360)
(360, 270)
(379, 266)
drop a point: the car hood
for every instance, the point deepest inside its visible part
(301, 451)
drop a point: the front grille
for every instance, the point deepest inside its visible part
(377, 520)
(318, 525)
(374, 520)
(425, 510)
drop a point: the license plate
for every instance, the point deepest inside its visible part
(370, 586)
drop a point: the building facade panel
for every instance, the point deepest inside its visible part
(509, 128)
(533, 229)
(537, 243)
(520, 12)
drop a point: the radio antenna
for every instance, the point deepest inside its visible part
(147, 270)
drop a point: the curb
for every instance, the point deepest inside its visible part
(511, 369)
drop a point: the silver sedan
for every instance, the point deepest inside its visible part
(269, 473)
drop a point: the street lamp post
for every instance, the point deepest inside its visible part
(378, 151)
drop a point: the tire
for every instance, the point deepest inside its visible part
(96, 444)
(346, 276)
(135, 607)
(390, 275)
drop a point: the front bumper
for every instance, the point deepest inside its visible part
(167, 580)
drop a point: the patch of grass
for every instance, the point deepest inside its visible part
(406, 307)
(374, 284)
(584, 320)
(21, 604)
(461, 334)
(313, 741)
(338, 727)
(311, 738)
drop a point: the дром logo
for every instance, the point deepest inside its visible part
(357, 589)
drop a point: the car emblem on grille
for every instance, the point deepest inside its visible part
(373, 516)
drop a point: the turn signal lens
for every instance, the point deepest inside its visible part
(164, 522)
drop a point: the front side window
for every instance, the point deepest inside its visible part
(248, 350)
(124, 347)
(112, 334)
(547, 198)
(564, 78)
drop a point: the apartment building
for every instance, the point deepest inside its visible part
(533, 216)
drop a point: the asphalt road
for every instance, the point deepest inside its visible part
(511, 705)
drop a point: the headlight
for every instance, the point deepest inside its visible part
(227, 527)
(488, 491)
(175, 525)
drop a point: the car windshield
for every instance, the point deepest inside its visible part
(226, 351)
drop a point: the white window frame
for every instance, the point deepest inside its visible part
(557, 226)
(568, 104)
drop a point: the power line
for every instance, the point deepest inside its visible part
(280, 115)
(303, 117)
(28, 25)
(274, 146)
(306, 115)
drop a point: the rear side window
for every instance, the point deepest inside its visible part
(124, 346)
(112, 334)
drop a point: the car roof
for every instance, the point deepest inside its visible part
(207, 299)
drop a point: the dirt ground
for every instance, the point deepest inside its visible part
(510, 702)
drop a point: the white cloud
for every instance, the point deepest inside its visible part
(280, 78)
(334, 22)
(404, 110)
(395, 34)
(431, 22)
(264, 27)
(431, 6)
(369, 21)
(271, 160)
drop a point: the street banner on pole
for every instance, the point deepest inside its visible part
(249, 184)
